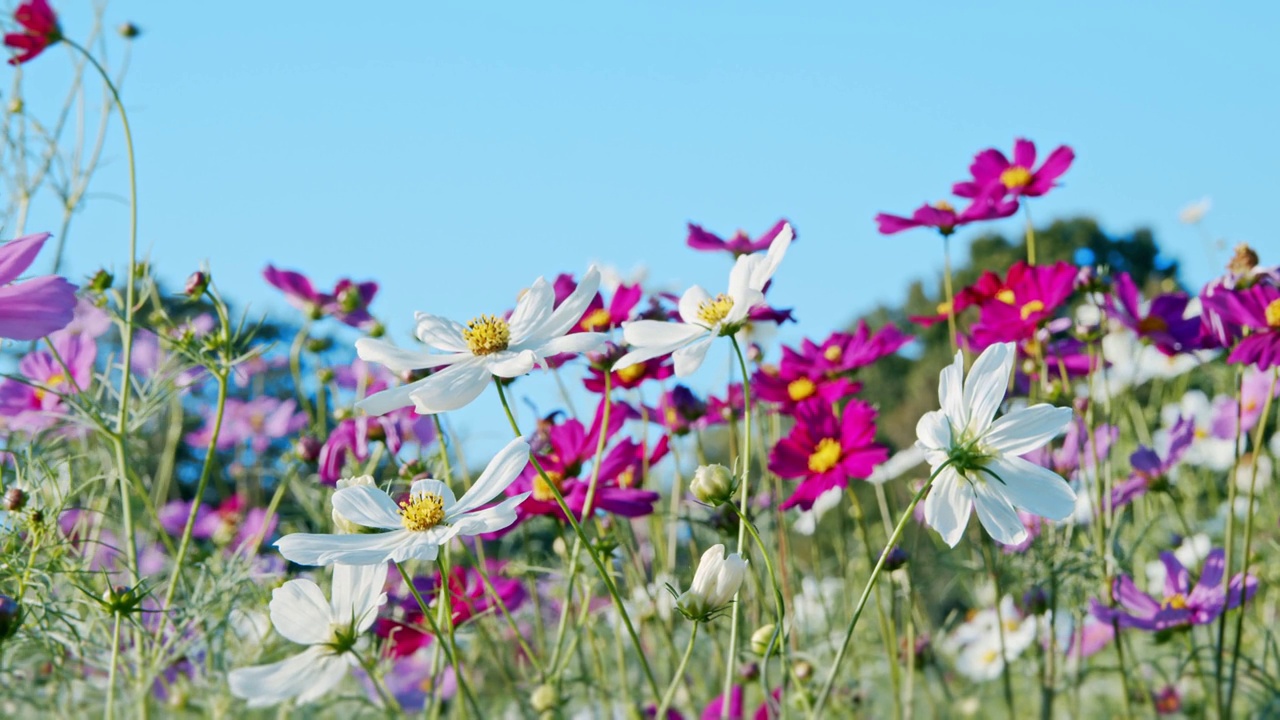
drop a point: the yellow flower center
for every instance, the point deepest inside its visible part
(1006, 296)
(989, 657)
(596, 320)
(944, 308)
(542, 492)
(1273, 314)
(800, 389)
(1031, 308)
(714, 310)
(1152, 324)
(257, 421)
(631, 373)
(833, 353)
(944, 206)
(627, 478)
(422, 511)
(1015, 176)
(53, 383)
(1177, 602)
(487, 335)
(671, 416)
(825, 456)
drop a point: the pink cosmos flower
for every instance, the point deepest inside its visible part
(403, 626)
(679, 410)
(725, 409)
(37, 405)
(994, 175)
(794, 382)
(34, 308)
(597, 317)
(1161, 323)
(1181, 605)
(824, 451)
(628, 378)
(40, 29)
(1032, 294)
(354, 437)
(228, 524)
(1256, 308)
(257, 422)
(1150, 470)
(942, 216)
(739, 244)
(348, 303)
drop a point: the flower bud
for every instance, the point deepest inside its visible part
(544, 698)
(14, 499)
(713, 484)
(803, 670)
(101, 281)
(325, 375)
(10, 616)
(128, 31)
(1243, 261)
(716, 581)
(1035, 601)
(319, 345)
(377, 329)
(307, 448)
(16, 106)
(748, 671)
(896, 558)
(121, 599)
(341, 524)
(761, 638)
(197, 283)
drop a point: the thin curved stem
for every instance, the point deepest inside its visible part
(779, 615)
(388, 700)
(731, 654)
(670, 694)
(440, 642)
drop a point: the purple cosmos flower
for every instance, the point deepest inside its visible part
(1150, 471)
(38, 406)
(739, 244)
(825, 451)
(1181, 606)
(34, 308)
(679, 410)
(1162, 323)
(1256, 308)
(257, 422)
(348, 303)
(942, 216)
(228, 524)
(994, 175)
(354, 436)
(1078, 450)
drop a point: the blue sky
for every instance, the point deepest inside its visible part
(455, 151)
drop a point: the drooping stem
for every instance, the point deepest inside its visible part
(1005, 679)
(678, 678)
(830, 680)
(744, 494)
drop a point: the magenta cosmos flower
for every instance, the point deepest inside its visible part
(1181, 606)
(994, 175)
(628, 378)
(824, 451)
(348, 303)
(942, 216)
(739, 244)
(598, 317)
(40, 29)
(1161, 322)
(1032, 294)
(1256, 308)
(34, 308)
(403, 626)
(257, 422)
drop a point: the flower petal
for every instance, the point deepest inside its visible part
(1033, 488)
(951, 392)
(533, 309)
(689, 358)
(440, 333)
(571, 310)
(690, 302)
(393, 358)
(17, 255)
(357, 594)
(572, 343)
(997, 514)
(512, 365)
(432, 486)
(933, 432)
(948, 505)
(651, 338)
(497, 476)
(763, 271)
(311, 674)
(985, 387)
(1026, 429)
(300, 612)
(451, 388)
(381, 403)
(362, 549)
(490, 519)
(367, 506)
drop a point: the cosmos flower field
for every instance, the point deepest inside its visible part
(207, 514)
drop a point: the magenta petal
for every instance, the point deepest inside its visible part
(35, 308)
(17, 255)
(1024, 153)
(1054, 166)
(890, 224)
(700, 239)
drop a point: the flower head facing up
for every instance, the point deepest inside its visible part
(485, 347)
(824, 450)
(975, 458)
(715, 582)
(330, 629)
(40, 29)
(418, 526)
(704, 317)
(995, 175)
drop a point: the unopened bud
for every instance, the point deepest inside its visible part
(325, 375)
(762, 638)
(120, 599)
(803, 670)
(14, 499)
(197, 283)
(748, 671)
(544, 698)
(377, 329)
(15, 106)
(101, 281)
(896, 558)
(10, 616)
(713, 484)
(307, 448)
(319, 345)
(128, 31)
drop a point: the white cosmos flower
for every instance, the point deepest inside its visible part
(715, 582)
(417, 527)
(486, 346)
(331, 629)
(704, 318)
(981, 454)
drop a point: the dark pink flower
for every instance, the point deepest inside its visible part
(824, 451)
(942, 216)
(40, 29)
(1032, 294)
(353, 438)
(34, 308)
(995, 176)
(597, 317)
(679, 410)
(403, 626)
(739, 244)
(628, 378)
(348, 303)
(794, 381)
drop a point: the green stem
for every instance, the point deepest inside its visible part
(111, 673)
(1229, 542)
(440, 640)
(1031, 234)
(577, 528)
(1005, 679)
(948, 288)
(827, 684)
(676, 680)
(779, 615)
(388, 700)
(730, 669)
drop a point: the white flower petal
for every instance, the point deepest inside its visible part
(1034, 489)
(933, 431)
(390, 399)
(327, 672)
(690, 302)
(497, 476)
(572, 343)
(300, 612)
(266, 685)
(367, 506)
(1026, 429)
(948, 505)
(997, 514)
(653, 338)
(571, 310)
(986, 384)
(361, 549)
(533, 309)
(763, 271)
(743, 305)
(393, 358)
(451, 388)
(357, 594)
(509, 364)
(440, 333)
(951, 392)
(490, 519)
(689, 358)
(434, 487)
(740, 279)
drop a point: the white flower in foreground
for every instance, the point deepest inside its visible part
(416, 527)
(486, 346)
(715, 582)
(704, 318)
(300, 613)
(981, 455)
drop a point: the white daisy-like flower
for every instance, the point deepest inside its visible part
(981, 453)
(703, 317)
(331, 629)
(486, 346)
(417, 527)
